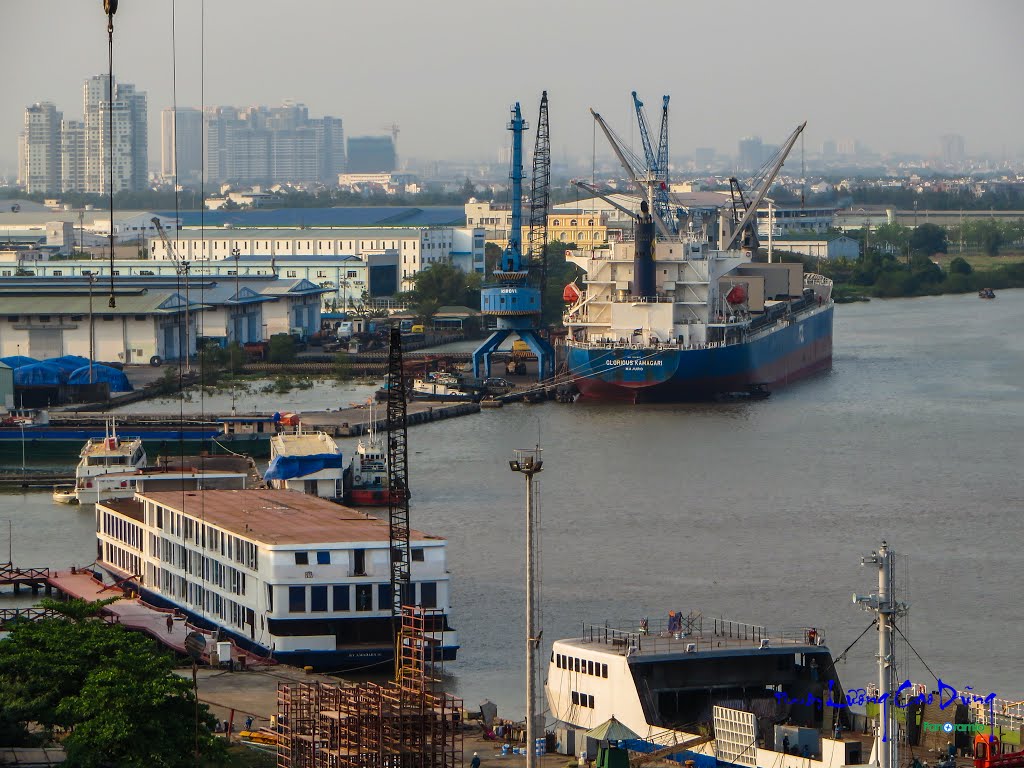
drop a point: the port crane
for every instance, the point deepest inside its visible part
(540, 199)
(744, 221)
(398, 485)
(657, 161)
(511, 300)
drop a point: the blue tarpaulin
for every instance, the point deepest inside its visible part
(39, 375)
(67, 363)
(17, 361)
(115, 379)
(287, 467)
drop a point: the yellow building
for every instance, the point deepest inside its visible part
(586, 229)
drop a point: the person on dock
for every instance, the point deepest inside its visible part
(475, 762)
(170, 623)
(248, 723)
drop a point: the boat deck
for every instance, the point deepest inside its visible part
(305, 444)
(694, 634)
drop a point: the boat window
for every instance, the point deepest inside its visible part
(604, 670)
(590, 701)
(270, 597)
(341, 598)
(383, 596)
(575, 698)
(323, 558)
(296, 599)
(417, 555)
(302, 558)
(364, 597)
(318, 599)
(428, 594)
(590, 667)
(359, 562)
(576, 664)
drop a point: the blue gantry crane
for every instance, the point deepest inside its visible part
(511, 299)
(657, 161)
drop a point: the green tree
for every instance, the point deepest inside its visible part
(959, 266)
(442, 284)
(282, 348)
(109, 689)
(492, 254)
(928, 239)
(560, 274)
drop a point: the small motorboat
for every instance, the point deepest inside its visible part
(65, 494)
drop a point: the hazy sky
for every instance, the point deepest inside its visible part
(895, 74)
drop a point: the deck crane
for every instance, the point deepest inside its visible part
(640, 177)
(181, 267)
(511, 300)
(540, 198)
(657, 160)
(744, 213)
(398, 484)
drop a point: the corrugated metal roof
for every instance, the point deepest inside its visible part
(148, 302)
(280, 517)
(369, 216)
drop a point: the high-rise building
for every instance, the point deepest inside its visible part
(953, 150)
(39, 156)
(703, 157)
(272, 144)
(371, 154)
(72, 156)
(751, 153)
(181, 143)
(115, 127)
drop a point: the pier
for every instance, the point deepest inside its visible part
(35, 578)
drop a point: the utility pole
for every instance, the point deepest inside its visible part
(529, 463)
(92, 334)
(887, 609)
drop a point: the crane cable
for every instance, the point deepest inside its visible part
(110, 8)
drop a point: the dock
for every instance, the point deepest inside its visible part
(129, 610)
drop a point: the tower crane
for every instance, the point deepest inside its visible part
(398, 483)
(540, 198)
(745, 223)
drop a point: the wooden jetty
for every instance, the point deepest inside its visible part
(35, 578)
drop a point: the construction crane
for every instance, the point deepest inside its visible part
(657, 160)
(181, 267)
(540, 199)
(761, 183)
(398, 485)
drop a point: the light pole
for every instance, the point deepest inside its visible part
(529, 463)
(92, 336)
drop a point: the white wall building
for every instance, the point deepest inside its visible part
(39, 149)
(838, 247)
(128, 137)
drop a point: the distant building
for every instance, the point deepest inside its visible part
(751, 153)
(259, 145)
(181, 143)
(703, 157)
(835, 247)
(371, 154)
(587, 230)
(39, 149)
(118, 124)
(953, 152)
(72, 156)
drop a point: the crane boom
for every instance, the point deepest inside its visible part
(763, 191)
(398, 483)
(540, 198)
(604, 195)
(645, 135)
(628, 168)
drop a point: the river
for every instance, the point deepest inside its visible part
(758, 512)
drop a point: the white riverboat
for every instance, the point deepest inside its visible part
(109, 455)
(707, 688)
(309, 462)
(286, 574)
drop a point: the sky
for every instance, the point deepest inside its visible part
(894, 74)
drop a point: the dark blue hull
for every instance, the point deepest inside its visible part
(341, 659)
(649, 374)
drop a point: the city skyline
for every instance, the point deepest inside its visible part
(451, 100)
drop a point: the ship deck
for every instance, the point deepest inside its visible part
(305, 444)
(695, 634)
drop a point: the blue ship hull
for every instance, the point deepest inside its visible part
(340, 659)
(650, 374)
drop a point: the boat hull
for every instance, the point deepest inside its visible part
(649, 374)
(372, 497)
(51, 444)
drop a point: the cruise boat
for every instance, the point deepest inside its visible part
(285, 574)
(309, 462)
(109, 455)
(715, 689)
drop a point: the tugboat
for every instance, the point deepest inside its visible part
(369, 473)
(986, 293)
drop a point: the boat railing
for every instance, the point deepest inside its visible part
(681, 631)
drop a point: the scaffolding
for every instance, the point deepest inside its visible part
(406, 724)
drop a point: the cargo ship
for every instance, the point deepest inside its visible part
(684, 306)
(708, 323)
